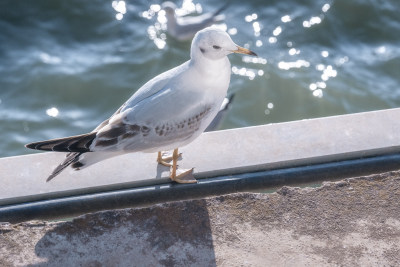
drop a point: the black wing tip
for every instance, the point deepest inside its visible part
(72, 158)
(28, 145)
(65, 144)
(37, 146)
(31, 145)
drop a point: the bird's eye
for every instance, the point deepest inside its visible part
(216, 47)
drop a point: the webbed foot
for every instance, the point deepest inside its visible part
(180, 176)
(183, 176)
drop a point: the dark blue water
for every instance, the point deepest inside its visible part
(65, 66)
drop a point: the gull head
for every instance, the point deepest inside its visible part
(215, 44)
(169, 8)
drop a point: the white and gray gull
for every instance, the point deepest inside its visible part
(168, 112)
(184, 28)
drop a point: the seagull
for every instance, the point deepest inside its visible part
(166, 113)
(184, 28)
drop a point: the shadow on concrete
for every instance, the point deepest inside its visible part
(168, 235)
(162, 168)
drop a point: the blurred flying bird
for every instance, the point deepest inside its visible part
(184, 28)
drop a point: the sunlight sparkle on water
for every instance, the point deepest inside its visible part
(188, 7)
(250, 18)
(296, 64)
(320, 85)
(160, 43)
(255, 60)
(277, 31)
(286, 19)
(250, 73)
(325, 8)
(342, 60)
(381, 50)
(155, 8)
(232, 31)
(161, 17)
(311, 22)
(324, 53)
(272, 40)
(320, 67)
(120, 7)
(147, 15)
(152, 11)
(151, 31)
(52, 112)
(318, 93)
(313, 86)
(328, 72)
(270, 106)
(48, 59)
(257, 28)
(155, 31)
(293, 51)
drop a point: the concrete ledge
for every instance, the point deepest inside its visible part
(265, 181)
(355, 222)
(227, 152)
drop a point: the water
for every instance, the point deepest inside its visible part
(67, 65)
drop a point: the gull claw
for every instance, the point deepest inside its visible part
(165, 157)
(184, 176)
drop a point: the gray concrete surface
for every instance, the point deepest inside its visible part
(280, 145)
(354, 222)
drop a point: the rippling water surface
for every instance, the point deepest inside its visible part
(65, 66)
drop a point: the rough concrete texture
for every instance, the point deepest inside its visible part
(355, 222)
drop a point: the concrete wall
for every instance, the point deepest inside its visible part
(228, 152)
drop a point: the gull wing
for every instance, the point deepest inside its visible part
(148, 89)
(156, 117)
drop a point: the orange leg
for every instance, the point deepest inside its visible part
(185, 176)
(163, 161)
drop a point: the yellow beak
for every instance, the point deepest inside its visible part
(242, 50)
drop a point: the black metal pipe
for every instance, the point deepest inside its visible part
(143, 196)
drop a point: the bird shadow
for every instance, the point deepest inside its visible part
(171, 234)
(161, 169)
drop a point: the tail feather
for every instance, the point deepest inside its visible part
(78, 143)
(71, 158)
